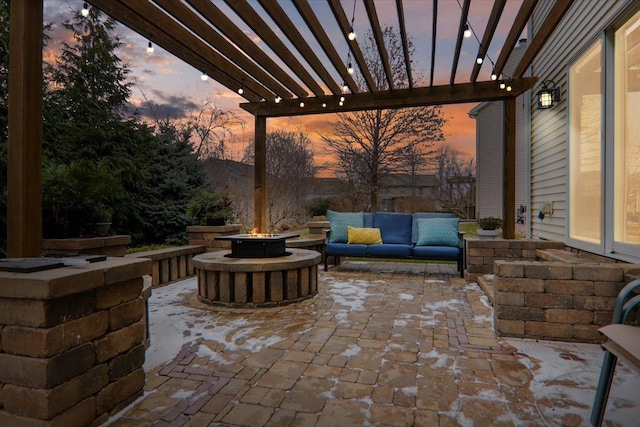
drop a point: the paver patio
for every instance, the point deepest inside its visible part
(382, 344)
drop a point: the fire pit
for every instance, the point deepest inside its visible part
(257, 245)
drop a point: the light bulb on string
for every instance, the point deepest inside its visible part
(204, 76)
(352, 34)
(150, 48)
(494, 76)
(240, 91)
(503, 85)
(342, 99)
(479, 60)
(509, 88)
(467, 31)
(85, 10)
(301, 104)
(278, 99)
(324, 105)
(350, 69)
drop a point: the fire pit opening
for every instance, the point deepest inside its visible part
(257, 245)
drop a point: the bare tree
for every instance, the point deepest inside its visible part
(457, 180)
(290, 169)
(210, 128)
(370, 145)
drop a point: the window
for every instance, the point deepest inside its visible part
(627, 132)
(585, 146)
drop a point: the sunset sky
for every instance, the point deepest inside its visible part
(175, 88)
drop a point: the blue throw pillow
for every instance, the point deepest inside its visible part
(438, 232)
(340, 221)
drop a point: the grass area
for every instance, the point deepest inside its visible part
(470, 229)
(147, 248)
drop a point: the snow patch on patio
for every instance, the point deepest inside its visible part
(406, 297)
(555, 365)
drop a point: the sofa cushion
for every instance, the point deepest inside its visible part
(345, 249)
(394, 227)
(393, 250)
(420, 215)
(364, 236)
(437, 252)
(438, 232)
(339, 222)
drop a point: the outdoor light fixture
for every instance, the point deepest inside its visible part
(150, 48)
(352, 34)
(324, 105)
(345, 88)
(479, 60)
(509, 88)
(341, 103)
(240, 91)
(494, 76)
(204, 76)
(548, 95)
(278, 99)
(342, 99)
(85, 10)
(467, 31)
(301, 104)
(503, 85)
(350, 69)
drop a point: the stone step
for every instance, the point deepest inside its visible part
(486, 283)
(559, 255)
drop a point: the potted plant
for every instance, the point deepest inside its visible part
(489, 226)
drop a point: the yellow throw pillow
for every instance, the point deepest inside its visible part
(364, 236)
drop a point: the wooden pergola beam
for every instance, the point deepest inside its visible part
(398, 98)
(184, 45)
(492, 24)
(550, 23)
(456, 55)
(24, 176)
(321, 36)
(244, 10)
(405, 41)
(434, 33)
(525, 12)
(219, 20)
(343, 23)
(295, 37)
(379, 38)
(189, 19)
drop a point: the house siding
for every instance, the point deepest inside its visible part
(549, 129)
(489, 160)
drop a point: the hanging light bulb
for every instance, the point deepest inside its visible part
(324, 105)
(301, 104)
(467, 31)
(352, 34)
(479, 60)
(85, 10)
(502, 85)
(345, 88)
(508, 88)
(204, 76)
(278, 99)
(342, 99)
(240, 91)
(350, 69)
(341, 103)
(150, 48)
(494, 76)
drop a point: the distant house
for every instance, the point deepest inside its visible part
(489, 156)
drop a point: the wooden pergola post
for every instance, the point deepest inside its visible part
(509, 170)
(260, 175)
(24, 177)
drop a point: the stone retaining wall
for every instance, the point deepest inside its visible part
(170, 264)
(555, 300)
(481, 253)
(71, 343)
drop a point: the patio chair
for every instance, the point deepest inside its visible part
(623, 342)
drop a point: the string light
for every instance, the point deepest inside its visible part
(204, 76)
(494, 76)
(301, 104)
(324, 105)
(509, 88)
(345, 88)
(278, 99)
(341, 103)
(479, 60)
(503, 85)
(85, 10)
(342, 99)
(350, 69)
(240, 91)
(150, 48)
(352, 34)
(467, 31)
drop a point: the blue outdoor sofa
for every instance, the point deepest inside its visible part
(424, 235)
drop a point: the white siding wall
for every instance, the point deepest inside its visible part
(489, 160)
(584, 21)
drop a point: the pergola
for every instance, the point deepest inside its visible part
(201, 34)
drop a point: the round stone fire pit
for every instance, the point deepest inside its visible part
(257, 282)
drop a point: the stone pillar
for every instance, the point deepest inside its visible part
(206, 235)
(71, 343)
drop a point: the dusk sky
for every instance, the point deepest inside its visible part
(176, 89)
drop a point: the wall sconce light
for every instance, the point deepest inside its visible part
(548, 96)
